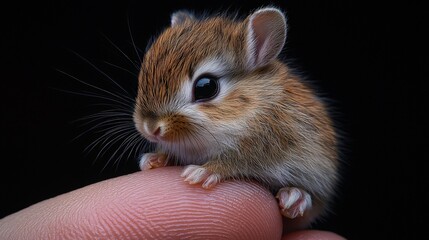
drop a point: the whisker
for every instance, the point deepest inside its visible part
(101, 72)
(118, 136)
(114, 128)
(132, 39)
(103, 124)
(125, 55)
(126, 142)
(117, 116)
(120, 105)
(127, 145)
(134, 146)
(106, 122)
(143, 146)
(114, 136)
(127, 99)
(121, 68)
(106, 136)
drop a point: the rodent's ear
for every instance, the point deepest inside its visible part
(266, 36)
(180, 17)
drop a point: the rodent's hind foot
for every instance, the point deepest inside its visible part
(152, 160)
(293, 201)
(194, 174)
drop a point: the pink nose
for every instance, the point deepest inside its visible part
(153, 128)
(157, 131)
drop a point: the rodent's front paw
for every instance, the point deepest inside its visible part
(293, 201)
(194, 174)
(152, 160)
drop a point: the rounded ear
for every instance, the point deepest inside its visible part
(266, 36)
(180, 17)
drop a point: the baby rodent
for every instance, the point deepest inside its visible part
(213, 95)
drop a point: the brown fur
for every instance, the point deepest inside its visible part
(286, 125)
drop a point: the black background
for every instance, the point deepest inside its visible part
(368, 59)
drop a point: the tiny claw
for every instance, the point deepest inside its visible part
(293, 201)
(194, 174)
(152, 160)
(211, 181)
(188, 169)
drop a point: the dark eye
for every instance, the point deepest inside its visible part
(205, 88)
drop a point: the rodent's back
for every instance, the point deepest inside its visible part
(291, 138)
(311, 136)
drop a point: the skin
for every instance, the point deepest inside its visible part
(155, 204)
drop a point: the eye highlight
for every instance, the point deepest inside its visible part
(206, 88)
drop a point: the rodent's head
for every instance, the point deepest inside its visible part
(203, 78)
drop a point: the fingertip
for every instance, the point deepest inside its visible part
(312, 235)
(230, 210)
(157, 204)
